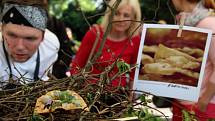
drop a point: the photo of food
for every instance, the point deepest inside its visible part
(168, 58)
(169, 65)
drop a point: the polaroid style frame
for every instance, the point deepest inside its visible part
(150, 83)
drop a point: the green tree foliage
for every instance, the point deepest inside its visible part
(155, 10)
(87, 5)
(73, 18)
(57, 7)
(71, 12)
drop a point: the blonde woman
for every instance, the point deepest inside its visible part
(200, 13)
(122, 41)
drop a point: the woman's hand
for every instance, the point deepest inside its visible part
(206, 96)
(203, 103)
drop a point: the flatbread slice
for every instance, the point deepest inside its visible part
(165, 52)
(147, 59)
(167, 69)
(67, 100)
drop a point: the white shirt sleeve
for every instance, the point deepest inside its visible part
(48, 53)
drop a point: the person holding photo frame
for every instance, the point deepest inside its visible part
(199, 13)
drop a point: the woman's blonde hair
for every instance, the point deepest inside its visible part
(133, 30)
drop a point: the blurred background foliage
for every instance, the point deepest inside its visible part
(71, 13)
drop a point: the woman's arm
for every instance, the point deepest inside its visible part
(82, 55)
(208, 94)
(205, 98)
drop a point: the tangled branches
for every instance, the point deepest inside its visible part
(19, 103)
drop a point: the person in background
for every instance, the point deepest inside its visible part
(199, 14)
(58, 27)
(122, 43)
(27, 49)
(74, 42)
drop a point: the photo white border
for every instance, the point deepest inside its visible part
(164, 89)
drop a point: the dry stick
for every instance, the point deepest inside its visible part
(109, 68)
(113, 10)
(26, 106)
(104, 40)
(8, 107)
(103, 77)
(99, 91)
(38, 87)
(119, 74)
(176, 104)
(20, 88)
(47, 70)
(31, 89)
(156, 11)
(112, 66)
(94, 47)
(65, 53)
(85, 18)
(124, 48)
(95, 43)
(130, 36)
(93, 16)
(106, 109)
(86, 68)
(21, 75)
(170, 9)
(141, 103)
(96, 15)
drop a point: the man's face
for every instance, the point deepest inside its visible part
(22, 41)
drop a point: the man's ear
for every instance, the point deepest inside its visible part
(43, 36)
(2, 27)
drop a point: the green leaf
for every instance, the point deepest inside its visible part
(123, 66)
(142, 98)
(37, 118)
(65, 97)
(186, 116)
(130, 110)
(141, 114)
(90, 97)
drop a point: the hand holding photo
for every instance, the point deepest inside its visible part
(172, 66)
